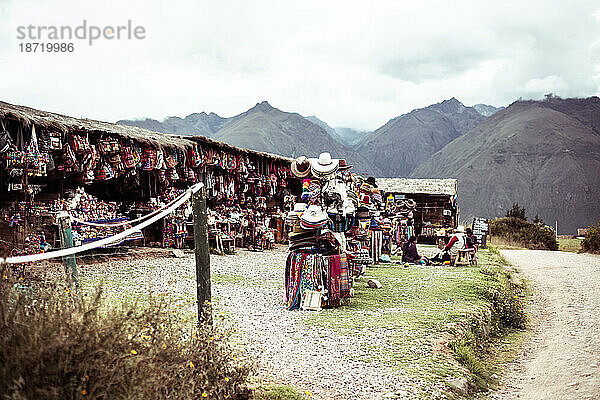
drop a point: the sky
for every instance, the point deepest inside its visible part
(352, 64)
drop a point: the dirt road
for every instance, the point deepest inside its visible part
(562, 359)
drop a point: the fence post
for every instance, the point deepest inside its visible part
(202, 257)
(66, 238)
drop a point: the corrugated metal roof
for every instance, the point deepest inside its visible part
(425, 186)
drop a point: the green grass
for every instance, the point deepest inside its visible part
(413, 309)
(276, 392)
(570, 245)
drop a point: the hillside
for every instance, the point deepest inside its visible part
(348, 136)
(407, 141)
(269, 129)
(545, 155)
(487, 110)
(194, 124)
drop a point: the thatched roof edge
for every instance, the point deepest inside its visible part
(66, 124)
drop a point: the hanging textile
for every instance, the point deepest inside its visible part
(376, 241)
(334, 281)
(344, 277)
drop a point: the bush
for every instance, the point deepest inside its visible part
(591, 242)
(54, 345)
(531, 236)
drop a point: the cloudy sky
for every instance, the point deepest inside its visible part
(351, 65)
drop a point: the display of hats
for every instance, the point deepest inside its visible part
(371, 181)
(301, 167)
(324, 165)
(314, 217)
(362, 213)
(377, 197)
(343, 166)
(366, 188)
(299, 208)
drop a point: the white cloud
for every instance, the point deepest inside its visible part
(351, 65)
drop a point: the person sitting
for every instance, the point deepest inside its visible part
(458, 241)
(471, 239)
(410, 253)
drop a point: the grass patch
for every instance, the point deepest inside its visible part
(414, 308)
(570, 245)
(276, 392)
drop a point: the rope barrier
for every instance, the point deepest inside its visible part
(106, 241)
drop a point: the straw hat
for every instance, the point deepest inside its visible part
(301, 167)
(314, 214)
(343, 166)
(324, 165)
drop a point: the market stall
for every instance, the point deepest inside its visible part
(50, 162)
(426, 208)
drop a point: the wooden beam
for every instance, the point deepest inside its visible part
(66, 239)
(203, 291)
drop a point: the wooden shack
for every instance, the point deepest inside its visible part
(436, 208)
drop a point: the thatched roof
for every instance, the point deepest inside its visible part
(415, 186)
(61, 123)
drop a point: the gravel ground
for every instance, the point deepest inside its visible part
(562, 359)
(248, 288)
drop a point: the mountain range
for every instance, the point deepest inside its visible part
(545, 155)
(264, 128)
(407, 141)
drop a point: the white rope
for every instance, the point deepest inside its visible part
(128, 222)
(106, 241)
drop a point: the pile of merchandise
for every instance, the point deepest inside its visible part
(317, 270)
(250, 184)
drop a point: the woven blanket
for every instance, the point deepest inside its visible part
(344, 277)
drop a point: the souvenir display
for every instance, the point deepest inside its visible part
(248, 185)
(318, 263)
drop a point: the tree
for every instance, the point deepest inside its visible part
(516, 212)
(538, 220)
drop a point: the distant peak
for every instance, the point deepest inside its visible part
(262, 106)
(452, 105)
(453, 101)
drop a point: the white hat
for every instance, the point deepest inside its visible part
(460, 229)
(300, 207)
(324, 165)
(314, 214)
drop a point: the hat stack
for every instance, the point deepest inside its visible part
(313, 218)
(301, 167)
(343, 166)
(293, 217)
(324, 165)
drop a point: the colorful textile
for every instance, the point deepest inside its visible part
(376, 240)
(334, 281)
(344, 277)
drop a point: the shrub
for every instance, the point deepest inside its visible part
(516, 212)
(591, 242)
(54, 345)
(531, 236)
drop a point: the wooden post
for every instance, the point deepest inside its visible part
(66, 238)
(202, 257)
